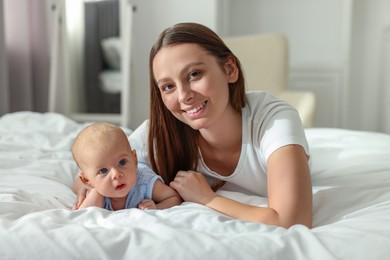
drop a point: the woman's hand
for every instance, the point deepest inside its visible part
(192, 186)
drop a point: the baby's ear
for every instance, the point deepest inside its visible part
(134, 152)
(83, 179)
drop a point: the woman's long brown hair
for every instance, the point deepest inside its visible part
(172, 143)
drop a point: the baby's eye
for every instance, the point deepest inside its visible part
(103, 171)
(122, 162)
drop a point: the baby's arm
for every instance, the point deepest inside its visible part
(93, 198)
(164, 196)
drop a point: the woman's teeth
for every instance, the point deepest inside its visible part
(196, 109)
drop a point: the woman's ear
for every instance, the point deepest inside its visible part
(84, 179)
(231, 69)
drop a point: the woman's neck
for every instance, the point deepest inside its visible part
(224, 134)
(221, 145)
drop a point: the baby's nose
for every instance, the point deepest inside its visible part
(116, 173)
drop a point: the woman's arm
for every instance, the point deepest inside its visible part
(290, 186)
(289, 191)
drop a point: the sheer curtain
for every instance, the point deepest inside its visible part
(25, 69)
(4, 104)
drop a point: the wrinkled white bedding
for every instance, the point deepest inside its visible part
(351, 187)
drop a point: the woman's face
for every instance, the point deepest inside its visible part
(193, 85)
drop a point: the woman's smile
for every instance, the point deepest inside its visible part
(196, 111)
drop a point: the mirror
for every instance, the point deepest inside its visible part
(91, 60)
(102, 56)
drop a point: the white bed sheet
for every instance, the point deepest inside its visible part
(351, 189)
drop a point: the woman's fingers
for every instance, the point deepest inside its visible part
(192, 186)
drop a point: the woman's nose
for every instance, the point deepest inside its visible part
(185, 93)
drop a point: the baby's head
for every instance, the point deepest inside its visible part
(98, 138)
(101, 149)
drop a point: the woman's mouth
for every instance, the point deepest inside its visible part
(196, 109)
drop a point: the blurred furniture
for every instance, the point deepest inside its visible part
(265, 61)
(102, 72)
(67, 94)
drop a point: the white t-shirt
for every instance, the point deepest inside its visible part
(267, 124)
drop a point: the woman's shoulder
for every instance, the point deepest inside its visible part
(262, 97)
(268, 115)
(255, 95)
(261, 102)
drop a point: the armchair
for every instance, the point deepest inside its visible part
(264, 58)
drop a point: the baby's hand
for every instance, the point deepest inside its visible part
(92, 198)
(147, 204)
(80, 197)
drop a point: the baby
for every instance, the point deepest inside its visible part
(109, 168)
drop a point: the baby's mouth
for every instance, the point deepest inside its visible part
(120, 186)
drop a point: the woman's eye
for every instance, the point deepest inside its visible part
(193, 74)
(122, 162)
(103, 171)
(167, 87)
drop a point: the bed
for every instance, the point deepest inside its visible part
(351, 191)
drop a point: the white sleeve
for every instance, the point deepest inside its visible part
(283, 128)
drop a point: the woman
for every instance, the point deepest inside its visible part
(205, 131)
(203, 124)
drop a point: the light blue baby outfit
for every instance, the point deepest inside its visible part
(142, 189)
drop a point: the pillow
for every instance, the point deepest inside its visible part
(111, 81)
(112, 51)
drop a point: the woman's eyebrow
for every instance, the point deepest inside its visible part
(185, 68)
(192, 64)
(160, 81)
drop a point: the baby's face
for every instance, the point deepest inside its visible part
(110, 166)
